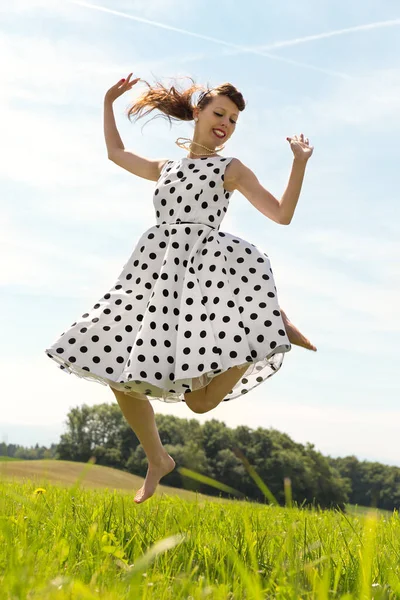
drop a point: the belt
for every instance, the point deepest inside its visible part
(190, 222)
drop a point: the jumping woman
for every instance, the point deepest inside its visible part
(194, 315)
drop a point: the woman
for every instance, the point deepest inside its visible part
(194, 314)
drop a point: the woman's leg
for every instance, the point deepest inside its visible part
(294, 334)
(139, 413)
(207, 398)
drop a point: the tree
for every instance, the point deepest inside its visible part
(77, 443)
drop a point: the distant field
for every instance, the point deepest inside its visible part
(5, 458)
(65, 473)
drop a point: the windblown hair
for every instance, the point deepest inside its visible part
(176, 103)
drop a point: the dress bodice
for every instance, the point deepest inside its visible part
(192, 190)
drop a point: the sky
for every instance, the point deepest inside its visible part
(70, 218)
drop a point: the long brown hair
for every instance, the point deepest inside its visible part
(176, 104)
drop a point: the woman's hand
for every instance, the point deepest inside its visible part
(300, 147)
(120, 88)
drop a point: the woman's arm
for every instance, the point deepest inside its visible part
(281, 211)
(291, 195)
(241, 178)
(111, 135)
(302, 151)
(128, 160)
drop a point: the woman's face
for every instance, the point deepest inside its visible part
(217, 121)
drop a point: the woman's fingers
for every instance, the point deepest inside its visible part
(124, 81)
(127, 81)
(297, 138)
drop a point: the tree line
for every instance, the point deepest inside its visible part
(216, 451)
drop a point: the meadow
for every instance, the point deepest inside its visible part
(72, 531)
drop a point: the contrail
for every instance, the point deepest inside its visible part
(328, 34)
(240, 49)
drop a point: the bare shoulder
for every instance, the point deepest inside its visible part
(233, 174)
(244, 180)
(160, 165)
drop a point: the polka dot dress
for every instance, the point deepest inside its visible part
(190, 303)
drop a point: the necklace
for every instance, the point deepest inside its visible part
(187, 140)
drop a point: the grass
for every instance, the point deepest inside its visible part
(75, 542)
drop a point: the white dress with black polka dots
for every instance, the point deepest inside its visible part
(191, 302)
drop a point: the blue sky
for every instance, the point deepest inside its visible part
(69, 217)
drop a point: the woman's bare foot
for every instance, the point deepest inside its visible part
(295, 336)
(155, 472)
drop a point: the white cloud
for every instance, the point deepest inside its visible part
(71, 11)
(378, 302)
(61, 72)
(50, 392)
(33, 262)
(38, 8)
(355, 246)
(368, 103)
(373, 99)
